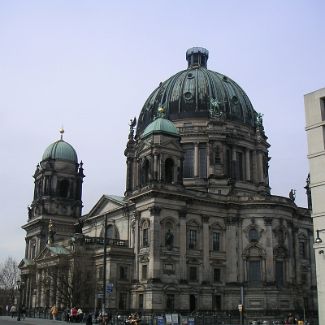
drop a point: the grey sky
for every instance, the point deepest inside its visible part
(90, 65)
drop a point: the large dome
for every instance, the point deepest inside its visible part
(198, 93)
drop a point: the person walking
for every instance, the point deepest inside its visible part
(23, 311)
(13, 311)
(54, 312)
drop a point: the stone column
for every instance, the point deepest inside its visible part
(260, 166)
(155, 168)
(269, 263)
(42, 301)
(291, 274)
(129, 175)
(58, 286)
(206, 249)
(254, 163)
(233, 163)
(232, 249)
(52, 287)
(161, 167)
(154, 239)
(182, 245)
(136, 244)
(248, 165)
(196, 159)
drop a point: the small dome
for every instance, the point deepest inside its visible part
(198, 93)
(60, 150)
(161, 125)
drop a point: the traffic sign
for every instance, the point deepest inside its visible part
(109, 287)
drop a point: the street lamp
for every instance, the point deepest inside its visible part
(318, 240)
(20, 288)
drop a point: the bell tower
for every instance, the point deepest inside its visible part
(57, 197)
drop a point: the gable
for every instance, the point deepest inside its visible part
(106, 204)
(52, 251)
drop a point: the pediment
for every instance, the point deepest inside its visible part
(25, 262)
(167, 144)
(52, 251)
(106, 204)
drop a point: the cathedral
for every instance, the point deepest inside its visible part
(197, 229)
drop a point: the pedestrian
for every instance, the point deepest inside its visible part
(54, 311)
(23, 311)
(79, 315)
(89, 319)
(73, 315)
(13, 311)
(7, 310)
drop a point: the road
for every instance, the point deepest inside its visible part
(7, 320)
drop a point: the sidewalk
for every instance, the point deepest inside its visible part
(30, 321)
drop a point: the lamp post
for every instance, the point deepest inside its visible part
(104, 266)
(19, 287)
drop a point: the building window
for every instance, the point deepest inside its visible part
(144, 272)
(192, 239)
(123, 273)
(33, 250)
(239, 164)
(228, 164)
(100, 272)
(122, 301)
(253, 235)
(216, 241)
(145, 235)
(216, 275)
(322, 108)
(64, 188)
(109, 231)
(188, 163)
(193, 273)
(169, 170)
(169, 269)
(304, 278)
(145, 170)
(203, 160)
(192, 303)
(216, 302)
(279, 274)
(254, 272)
(302, 249)
(170, 302)
(140, 301)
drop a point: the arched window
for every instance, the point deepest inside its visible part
(64, 188)
(110, 231)
(145, 172)
(188, 163)
(169, 170)
(169, 235)
(192, 303)
(254, 272)
(253, 235)
(145, 234)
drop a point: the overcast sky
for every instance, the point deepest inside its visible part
(90, 65)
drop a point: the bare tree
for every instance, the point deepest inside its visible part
(9, 274)
(73, 280)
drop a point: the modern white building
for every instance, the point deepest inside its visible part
(315, 127)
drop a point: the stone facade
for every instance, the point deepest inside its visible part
(197, 228)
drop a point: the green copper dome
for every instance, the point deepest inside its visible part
(60, 150)
(198, 93)
(161, 125)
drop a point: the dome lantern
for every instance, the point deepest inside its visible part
(197, 57)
